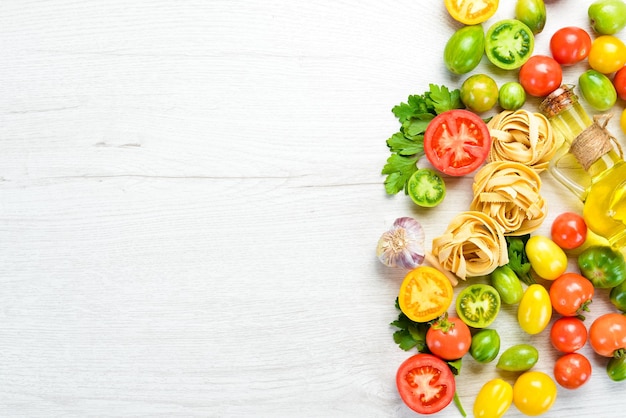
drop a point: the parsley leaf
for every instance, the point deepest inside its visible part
(399, 170)
(518, 261)
(409, 334)
(407, 145)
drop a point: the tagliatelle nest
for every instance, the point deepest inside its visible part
(523, 137)
(472, 245)
(509, 193)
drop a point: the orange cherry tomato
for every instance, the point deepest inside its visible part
(607, 334)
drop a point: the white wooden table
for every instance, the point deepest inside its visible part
(190, 200)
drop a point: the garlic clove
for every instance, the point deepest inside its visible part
(402, 245)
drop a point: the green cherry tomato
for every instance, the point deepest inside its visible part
(478, 305)
(511, 96)
(479, 93)
(534, 310)
(598, 90)
(509, 43)
(607, 17)
(464, 49)
(616, 368)
(534, 393)
(493, 399)
(485, 345)
(518, 358)
(602, 265)
(618, 296)
(507, 284)
(426, 188)
(546, 258)
(532, 13)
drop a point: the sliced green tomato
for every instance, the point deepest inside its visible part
(509, 44)
(478, 305)
(426, 188)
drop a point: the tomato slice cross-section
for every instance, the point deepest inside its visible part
(425, 383)
(457, 142)
(425, 294)
(471, 12)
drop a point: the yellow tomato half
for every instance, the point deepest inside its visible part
(471, 12)
(425, 294)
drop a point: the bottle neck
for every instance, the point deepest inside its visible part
(593, 148)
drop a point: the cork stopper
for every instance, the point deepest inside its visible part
(593, 142)
(557, 101)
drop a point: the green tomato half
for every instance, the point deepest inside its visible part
(478, 305)
(603, 266)
(426, 188)
(509, 43)
(597, 89)
(464, 49)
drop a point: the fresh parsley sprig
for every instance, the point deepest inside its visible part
(407, 145)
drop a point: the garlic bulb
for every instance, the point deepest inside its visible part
(403, 245)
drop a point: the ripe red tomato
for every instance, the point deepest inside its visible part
(425, 383)
(572, 370)
(569, 230)
(607, 334)
(570, 45)
(540, 75)
(619, 81)
(449, 338)
(570, 294)
(457, 142)
(568, 334)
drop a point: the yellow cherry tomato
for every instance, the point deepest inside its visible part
(547, 259)
(607, 54)
(493, 399)
(534, 310)
(534, 393)
(425, 294)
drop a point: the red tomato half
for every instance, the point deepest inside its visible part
(425, 383)
(570, 45)
(457, 142)
(619, 81)
(540, 75)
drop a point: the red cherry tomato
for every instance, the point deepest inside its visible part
(619, 81)
(540, 75)
(570, 45)
(570, 294)
(607, 334)
(572, 370)
(457, 142)
(569, 230)
(425, 383)
(449, 338)
(568, 334)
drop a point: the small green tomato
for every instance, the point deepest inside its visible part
(598, 90)
(479, 93)
(512, 96)
(532, 13)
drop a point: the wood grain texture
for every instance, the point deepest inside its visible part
(190, 200)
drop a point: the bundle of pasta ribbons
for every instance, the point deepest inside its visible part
(472, 245)
(523, 137)
(509, 193)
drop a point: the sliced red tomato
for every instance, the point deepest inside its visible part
(425, 383)
(471, 12)
(457, 142)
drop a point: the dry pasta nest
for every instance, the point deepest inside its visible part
(472, 245)
(509, 192)
(524, 137)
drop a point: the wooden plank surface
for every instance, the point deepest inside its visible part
(190, 201)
